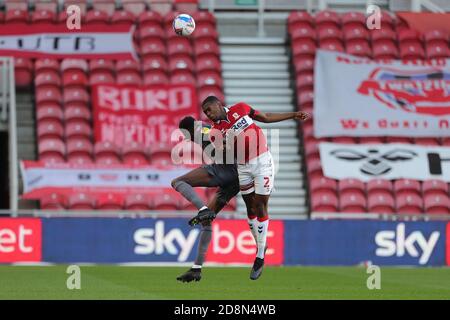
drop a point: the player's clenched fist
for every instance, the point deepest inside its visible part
(301, 115)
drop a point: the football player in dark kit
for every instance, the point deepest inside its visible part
(220, 175)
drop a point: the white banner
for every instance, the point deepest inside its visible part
(39, 179)
(56, 41)
(356, 96)
(385, 161)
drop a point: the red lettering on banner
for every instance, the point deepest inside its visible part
(20, 240)
(349, 123)
(232, 242)
(443, 124)
(145, 115)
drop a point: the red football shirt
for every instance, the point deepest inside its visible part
(247, 137)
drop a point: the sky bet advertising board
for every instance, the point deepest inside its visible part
(171, 240)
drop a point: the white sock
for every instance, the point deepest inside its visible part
(261, 237)
(252, 223)
(203, 208)
(196, 266)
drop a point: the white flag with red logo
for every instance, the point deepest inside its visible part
(356, 96)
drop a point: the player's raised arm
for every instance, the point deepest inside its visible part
(270, 117)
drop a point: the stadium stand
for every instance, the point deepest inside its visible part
(346, 32)
(62, 87)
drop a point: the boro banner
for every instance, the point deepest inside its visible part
(387, 161)
(124, 114)
(356, 96)
(40, 179)
(57, 41)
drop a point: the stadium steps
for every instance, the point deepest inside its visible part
(26, 137)
(257, 71)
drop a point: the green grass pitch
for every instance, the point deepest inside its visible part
(119, 282)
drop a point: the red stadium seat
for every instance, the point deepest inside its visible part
(206, 46)
(155, 78)
(53, 201)
(409, 36)
(438, 51)
(303, 50)
(182, 77)
(49, 79)
(324, 203)
(409, 204)
(385, 51)
(302, 34)
(437, 204)
(304, 82)
(181, 63)
(352, 202)
(150, 18)
(387, 20)
(205, 92)
(203, 16)
(352, 19)
(351, 186)
(161, 154)
(77, 114)
(134, 154)
(48, 95)
(323, 184)
(304, 65)
(110, 201)
(127, 65)
(332, 45)
(97, 18)
(209, 78)
(412, 52)
(50, 112)
(129, 78)
(298, 19)
(101, 65)
(122, 17)
(79, 151)
(138, 201)
(154, 62)
(329, 33)
(46, 65)
(383, 36)
(81, 201)
(70, 65)
(169, 17)
(381, 203)
(75, 97)
(359, 48)
(153, 31)
(43, 16)
(436, 37)
(179, 46)
(78, 129)
(49, 129)
(434, 188)
(166, 201)
(306, 99)
(16, 16)
(208, 62)
(327, 18)
(106, 152)
(354, 34)
(51, 150)
(407, 186)
(75, 79)
(380, 187)
(101, 78)
(23, 70)
(205, 31)
(154, 46)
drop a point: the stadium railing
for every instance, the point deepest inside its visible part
(8, 116)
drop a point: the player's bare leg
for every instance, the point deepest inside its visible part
(195, 273)
(260, 205)
(185, 184)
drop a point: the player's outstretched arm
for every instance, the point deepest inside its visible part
(277, 117)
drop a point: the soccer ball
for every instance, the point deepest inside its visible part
(183, 25)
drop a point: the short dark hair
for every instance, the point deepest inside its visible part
(187, 123)
(210, 99)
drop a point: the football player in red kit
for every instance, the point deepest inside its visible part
(234, 129)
